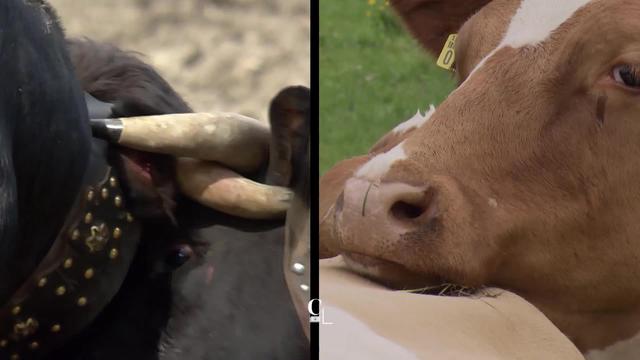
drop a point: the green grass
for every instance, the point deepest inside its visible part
(373, 75)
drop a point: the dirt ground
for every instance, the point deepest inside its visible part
(223, 55)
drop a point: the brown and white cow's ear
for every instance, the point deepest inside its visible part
(289, 115)
(431, 21)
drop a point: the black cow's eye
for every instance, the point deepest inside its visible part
(627, 76)
(178, 256)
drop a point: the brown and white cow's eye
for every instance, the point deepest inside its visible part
(627, 75)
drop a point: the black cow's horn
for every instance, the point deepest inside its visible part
(220, 188)
(107, 129)
(237, 141)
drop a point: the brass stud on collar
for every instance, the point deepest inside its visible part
(25, 328)
(117, 233)
(113, 253)
(55, 328)
(113, 182)
(61, 290)
(68, 263)
(118, 201)
(105, 193)
(75, 235)
(34, 345)
(88, 218)
(82, 301)
(42, 282)
(3, 343)
(88, 274)
(98, 239)
(90, 195)
(129, 217)
(16, 310)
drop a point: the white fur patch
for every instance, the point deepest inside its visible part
(415, 122)
(534, 21)
(622, 350)
(350, 338)
(377, 167)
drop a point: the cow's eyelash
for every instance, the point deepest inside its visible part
(627, 75)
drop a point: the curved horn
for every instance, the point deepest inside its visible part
(240, 142)
(220, 188)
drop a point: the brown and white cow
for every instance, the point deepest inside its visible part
(527, 177)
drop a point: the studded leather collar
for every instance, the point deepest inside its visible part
(80, 274)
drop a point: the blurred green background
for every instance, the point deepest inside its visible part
(373, 75)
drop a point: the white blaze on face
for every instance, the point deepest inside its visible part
(415, 122)
(377, 167)
(622, 350)
(534, 22)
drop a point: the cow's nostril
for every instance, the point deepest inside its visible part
(403, 210)
(414, 204)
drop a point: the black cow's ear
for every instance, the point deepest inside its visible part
(148, 181)
(289, 116)
(98, 109)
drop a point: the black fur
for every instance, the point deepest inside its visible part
(245, 312)
(44, 137)
(120, 77)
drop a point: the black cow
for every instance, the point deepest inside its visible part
(202, 284)
(43, 119)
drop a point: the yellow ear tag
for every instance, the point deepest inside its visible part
(448, 55)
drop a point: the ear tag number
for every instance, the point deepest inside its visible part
(448, 55)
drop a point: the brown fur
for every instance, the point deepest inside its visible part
(533, 191)
(431, 21)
